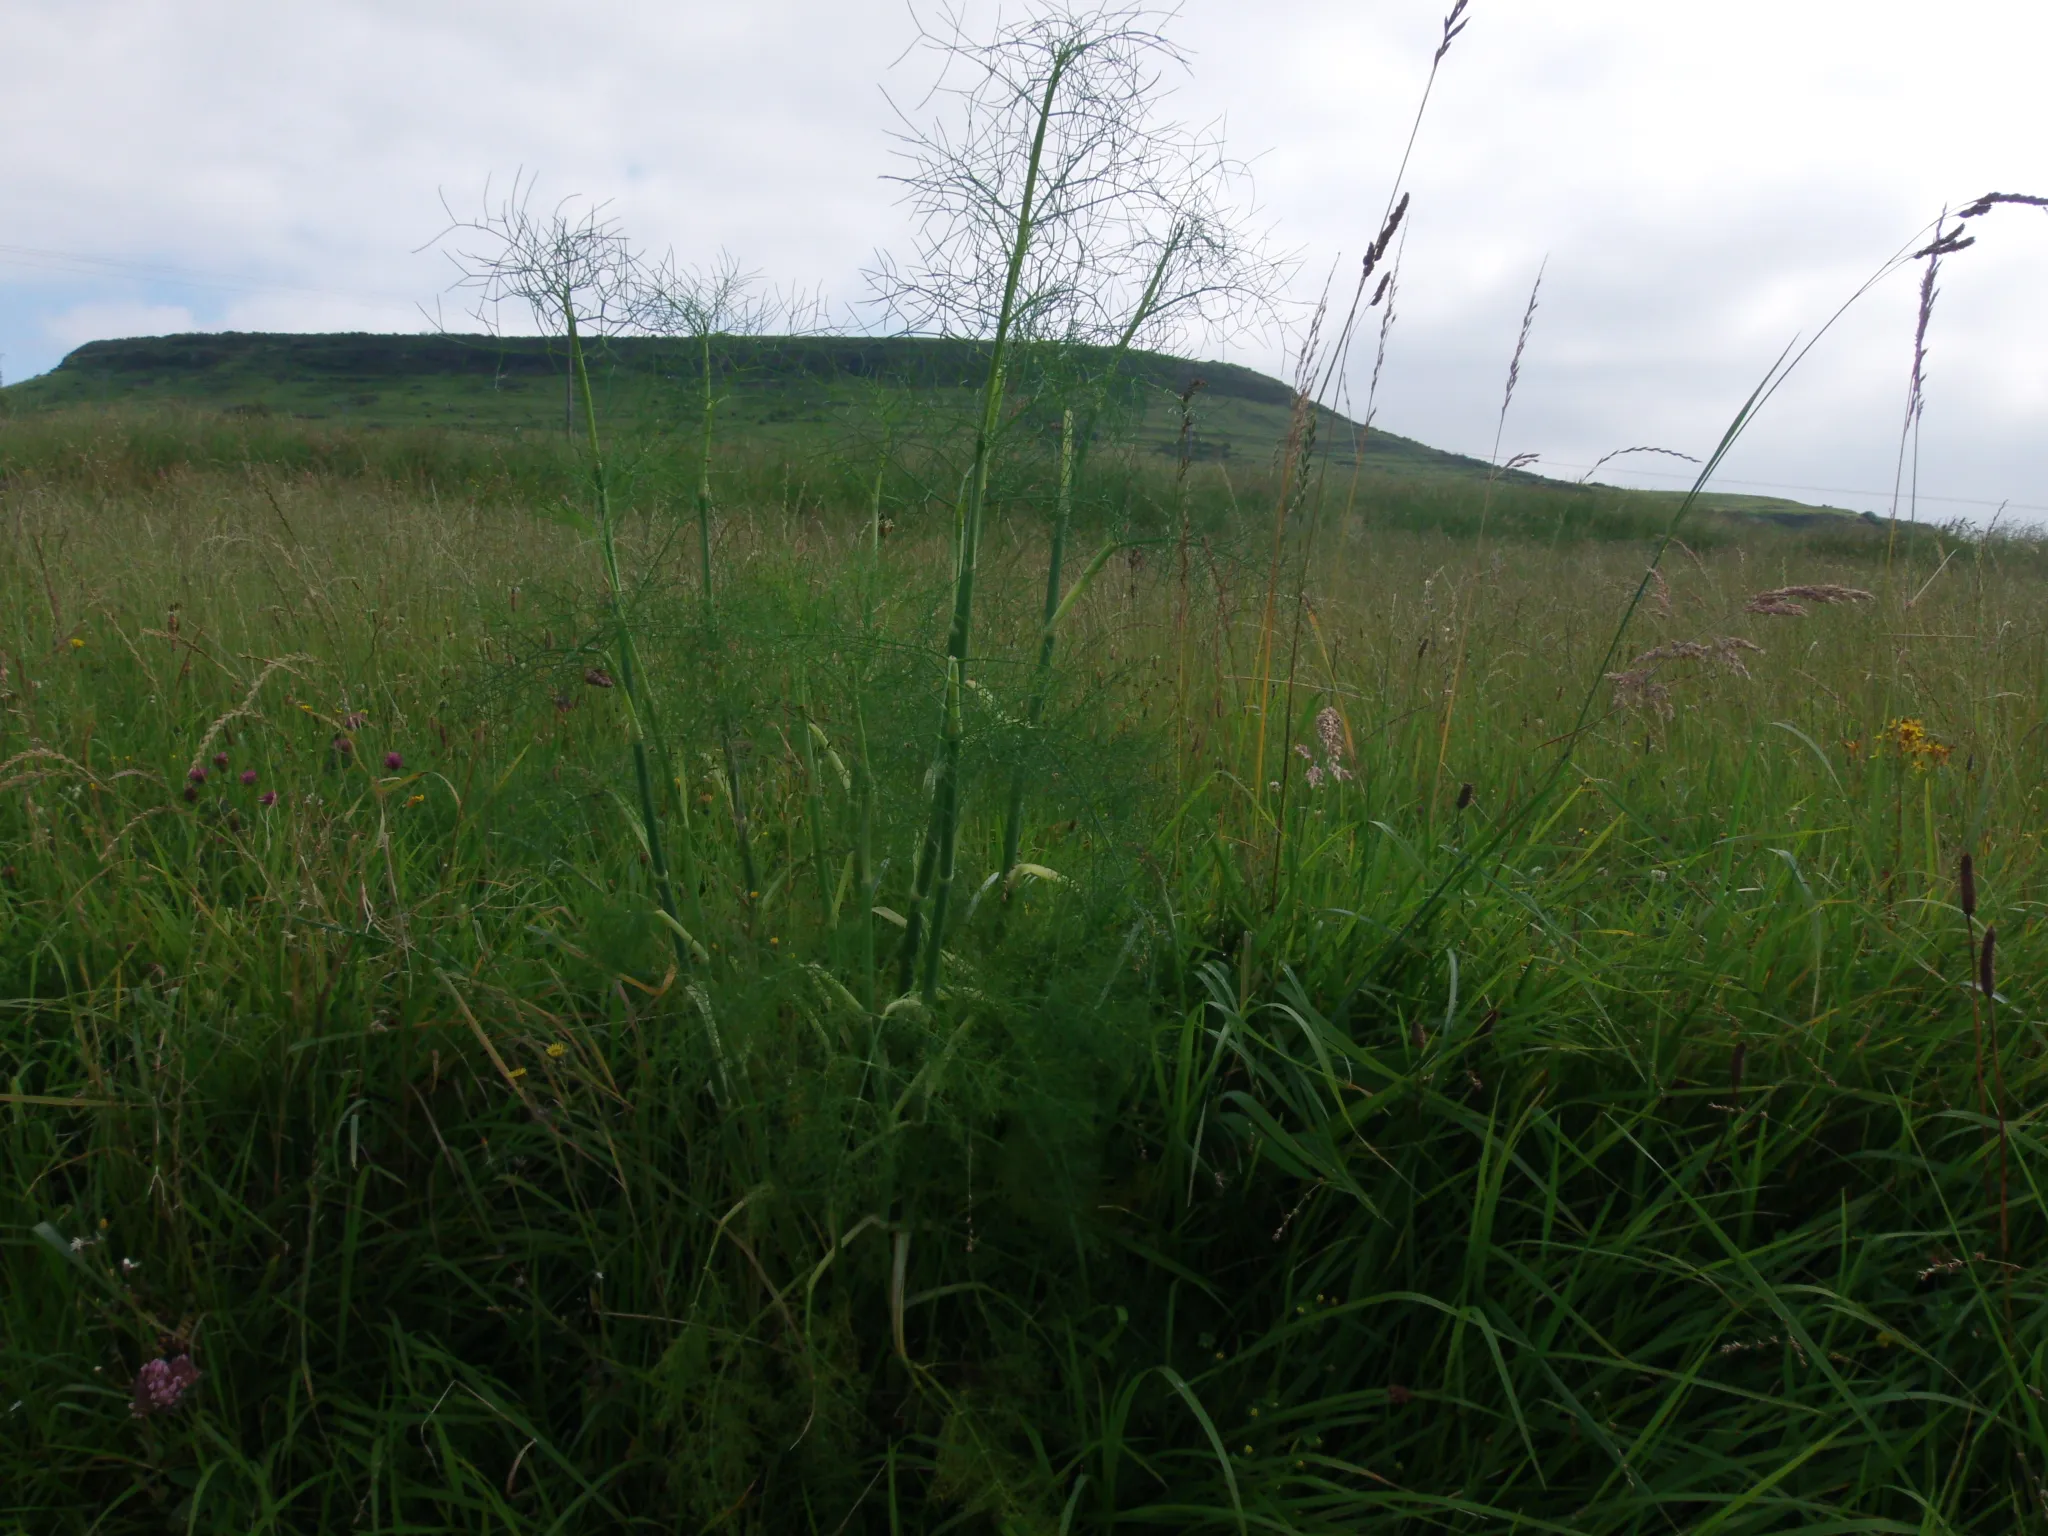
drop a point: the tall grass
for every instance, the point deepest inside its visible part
(1644, 1182)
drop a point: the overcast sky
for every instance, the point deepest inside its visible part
(1706, 178)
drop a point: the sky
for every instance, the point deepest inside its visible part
(1701, 182)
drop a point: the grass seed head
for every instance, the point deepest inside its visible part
(1789, 602)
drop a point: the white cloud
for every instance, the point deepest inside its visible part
(96, 320)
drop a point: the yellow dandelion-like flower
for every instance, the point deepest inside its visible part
(415, 799)
(77, 644)
(558, 1050)
(1909, 738)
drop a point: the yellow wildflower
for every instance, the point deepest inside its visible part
(1909, 738)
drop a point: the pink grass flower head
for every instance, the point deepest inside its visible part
(162, 1384)
(248, 775)
(393, 762)
(268, 797)
(1330, 727)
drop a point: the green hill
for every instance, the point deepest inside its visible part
(519, 383)
(780, 391)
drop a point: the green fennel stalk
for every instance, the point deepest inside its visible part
(936, 861)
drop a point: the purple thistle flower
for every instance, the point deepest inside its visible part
(393, 761)
(268, 797)
(162, 1384)
(196, 774)
(220, 759)
(248, 775)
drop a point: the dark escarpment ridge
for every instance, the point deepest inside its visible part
(905, 361)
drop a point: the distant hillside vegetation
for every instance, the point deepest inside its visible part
(493, 382)
(357, 357)
(790, 394)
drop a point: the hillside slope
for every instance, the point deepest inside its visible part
(519, 382)
(786, 388)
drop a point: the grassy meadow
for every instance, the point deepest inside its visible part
(1410, 1081)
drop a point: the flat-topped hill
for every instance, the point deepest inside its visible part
(768, 381)
(786, 391)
